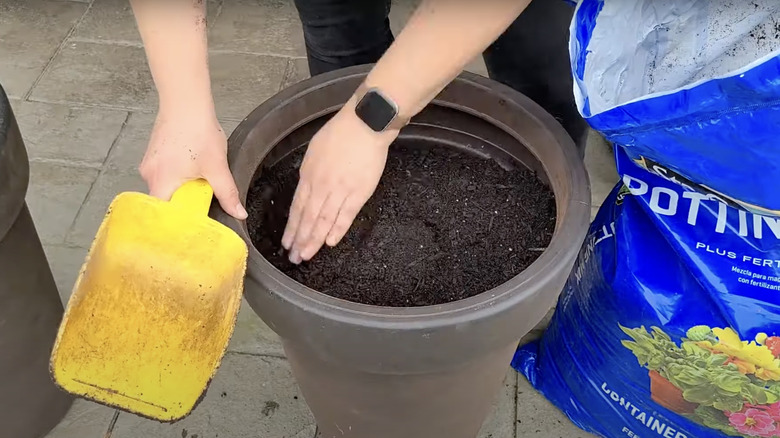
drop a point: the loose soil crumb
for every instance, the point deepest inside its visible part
(443, 225)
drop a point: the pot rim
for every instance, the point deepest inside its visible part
(569, 232)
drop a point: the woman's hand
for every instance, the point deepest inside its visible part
(340, 171)
(187, 142)
(185, 147)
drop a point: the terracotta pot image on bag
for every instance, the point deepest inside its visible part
(426, 369)
(663, 392)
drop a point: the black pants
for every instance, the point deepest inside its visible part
(532, 56)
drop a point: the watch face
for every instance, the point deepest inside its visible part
(376, 111)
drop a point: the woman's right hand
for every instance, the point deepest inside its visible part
(187, 142)
(187, 146)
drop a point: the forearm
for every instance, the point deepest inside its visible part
(174, 37)
(435, 46)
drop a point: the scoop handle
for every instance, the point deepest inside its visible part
(194, 197)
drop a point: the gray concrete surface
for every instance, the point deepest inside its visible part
(85, 102)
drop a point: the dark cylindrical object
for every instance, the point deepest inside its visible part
(425, 372)
(30, 307)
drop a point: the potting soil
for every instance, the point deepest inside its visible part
(669, 325)
(443, 225)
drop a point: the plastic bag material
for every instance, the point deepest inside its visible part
(669, 325)
(691, 84)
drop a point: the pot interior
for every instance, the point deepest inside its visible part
(435, 126)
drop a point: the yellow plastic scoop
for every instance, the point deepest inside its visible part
(154, 305)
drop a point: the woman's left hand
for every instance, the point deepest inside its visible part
(339, 173)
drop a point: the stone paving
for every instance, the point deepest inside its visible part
(84, 99)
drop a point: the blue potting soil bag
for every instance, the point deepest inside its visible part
(669, 325)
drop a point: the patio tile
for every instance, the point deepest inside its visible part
(251, 396)
(242, 82)
(118, 77)
(477, 65)
(84, 420)
(402, 10)
(500, 423)
(65, 263)
(229, 126)
(127, 153)
(297, 70)
(600, 164)
(537, 417)
(55, 195)
(24, 52)
(106, 187)
(113, 21)
(545, 322)
(307, 432)
(253, 336)
(99, 74)
(258, 26)
(245, 386)
(109, 20)
(71, 134)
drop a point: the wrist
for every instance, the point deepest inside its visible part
(173, 106)
(179, 92)
(378, 110)
(408, 92)
(348, 115)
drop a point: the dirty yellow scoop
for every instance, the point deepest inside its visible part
(154, 305)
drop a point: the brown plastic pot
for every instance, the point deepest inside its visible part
(30, 306)
(425, 372)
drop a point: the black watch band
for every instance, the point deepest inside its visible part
(377, 111)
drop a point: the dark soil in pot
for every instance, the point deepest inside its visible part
(443, 225)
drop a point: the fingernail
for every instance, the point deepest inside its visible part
(286, 242)
(332, 240)
(295, 257)
(241, 211)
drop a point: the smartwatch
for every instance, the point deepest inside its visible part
(377, 110)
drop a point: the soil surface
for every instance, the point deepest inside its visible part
(443, 225)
